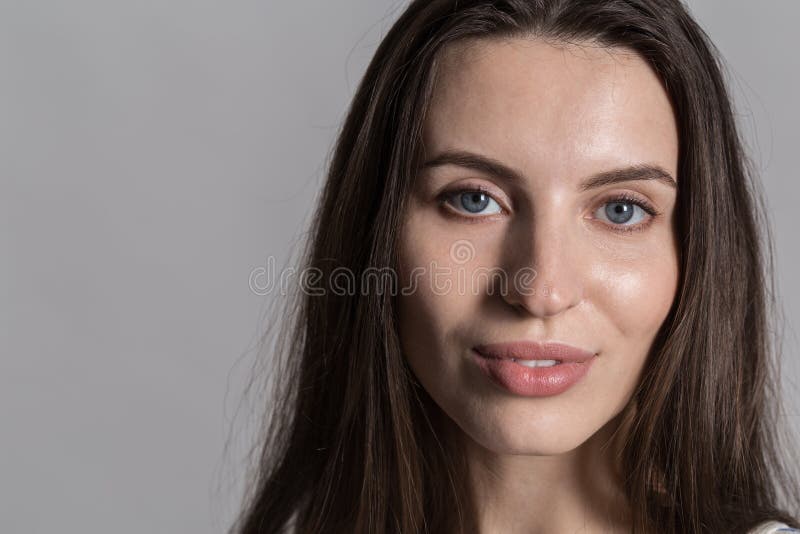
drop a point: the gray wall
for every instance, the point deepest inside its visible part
(153, 154)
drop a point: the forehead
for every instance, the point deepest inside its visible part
(552, 110)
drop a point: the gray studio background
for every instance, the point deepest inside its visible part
(152, 154)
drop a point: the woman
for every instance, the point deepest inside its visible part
(574, 336)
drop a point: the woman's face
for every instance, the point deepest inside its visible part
(601, 272)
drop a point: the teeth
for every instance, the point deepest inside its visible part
(536, 363)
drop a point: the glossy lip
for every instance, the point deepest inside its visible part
(495, 361)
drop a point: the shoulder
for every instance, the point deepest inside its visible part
(770, 527)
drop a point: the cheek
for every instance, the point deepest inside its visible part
(428, 306)
(630, 298)
(423, 323)
(438, 300)
(635, 296)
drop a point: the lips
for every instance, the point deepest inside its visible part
(534, 350)
(499, 362)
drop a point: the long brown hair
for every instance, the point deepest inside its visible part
(352, 443)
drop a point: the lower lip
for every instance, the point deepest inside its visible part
(533, 381)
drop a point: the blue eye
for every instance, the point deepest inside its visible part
(474, 202)
(626, 212)
(621, 212)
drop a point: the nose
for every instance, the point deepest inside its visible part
(544, 268)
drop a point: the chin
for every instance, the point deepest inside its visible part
(506, 433)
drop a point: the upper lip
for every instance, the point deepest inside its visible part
(534, 350)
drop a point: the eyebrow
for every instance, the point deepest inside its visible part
(644, 171)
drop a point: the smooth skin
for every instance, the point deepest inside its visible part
(556, 115)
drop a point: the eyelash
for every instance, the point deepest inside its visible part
(621, 198)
